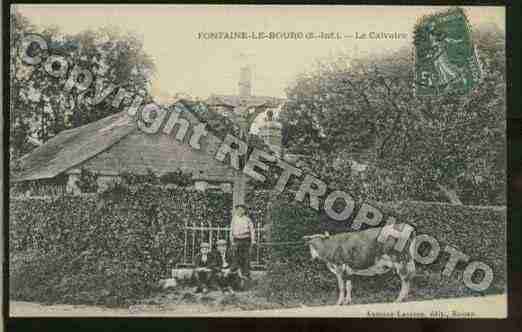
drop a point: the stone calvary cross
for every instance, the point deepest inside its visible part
(244, 116)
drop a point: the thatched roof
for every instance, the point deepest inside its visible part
(114, 145)
(72, 147)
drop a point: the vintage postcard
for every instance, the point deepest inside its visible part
(257, 161)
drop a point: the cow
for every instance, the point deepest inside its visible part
(361, 253)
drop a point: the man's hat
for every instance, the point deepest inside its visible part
(221, 242)
(204, 245)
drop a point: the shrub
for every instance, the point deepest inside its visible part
(87, 181)
(76, 250)
(178, 177)
(131, 179)
(479, 232)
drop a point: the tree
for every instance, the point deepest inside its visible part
(114, 57)
(40, 106)
(19, 110)
(427, 148)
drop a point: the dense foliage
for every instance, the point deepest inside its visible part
(292, 276)
(87, 181)
(40, 106)
(108, 249)
(180, 178)
(445, 148)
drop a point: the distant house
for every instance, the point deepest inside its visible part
(114, 145)
(227, 103)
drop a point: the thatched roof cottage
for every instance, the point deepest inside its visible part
(114, 145)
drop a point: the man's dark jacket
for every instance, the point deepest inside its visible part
(211, 262)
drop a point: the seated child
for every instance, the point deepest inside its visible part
(204, 270)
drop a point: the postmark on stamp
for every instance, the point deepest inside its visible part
(446, 60)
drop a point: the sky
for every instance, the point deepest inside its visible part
(200, 67)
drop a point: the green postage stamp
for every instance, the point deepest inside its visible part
(446, 60)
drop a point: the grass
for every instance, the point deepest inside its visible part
(424, 287)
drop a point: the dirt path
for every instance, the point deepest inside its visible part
(179, 302)
(18, 308)
(489, 306)
(494, 306)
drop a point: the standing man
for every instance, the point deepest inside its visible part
(225, 271)
(242, 237)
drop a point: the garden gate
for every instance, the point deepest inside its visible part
(195, 234)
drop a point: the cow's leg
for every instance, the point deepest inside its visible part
(340, 282)
(405, 289)
(406, 271)
(348, 297)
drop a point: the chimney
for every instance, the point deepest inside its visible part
(245, 82)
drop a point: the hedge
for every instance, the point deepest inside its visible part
(108, 249)
(479, 232)
(111, 249)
